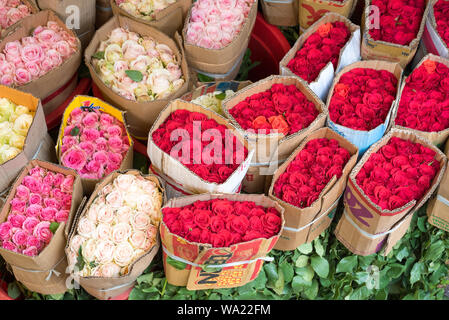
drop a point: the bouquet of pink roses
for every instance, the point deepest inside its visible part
(12, 11)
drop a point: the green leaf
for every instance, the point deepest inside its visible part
(306, 273)
(53, 227)
(58, 296)
(318, 247)
(13, 290)
(280, 282)
(422, 224)
(360, 293)
(416, 272)
(145, 278)
(320, 266)
(288, 271)
(396, 270)
(271, 271)
(175, 263)
(403, 253)
(299, 283)
(435, 251)
(312, 291)
(204, 78)
(221, 96)
(137, 294)
(305, 248)
(75, 131)
(302, 261)
(80, 260)
(347, 264)
(99, 55)
(135, 75)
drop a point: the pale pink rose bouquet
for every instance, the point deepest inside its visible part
(119, 227)
(42, 201)
(214, 24)
(144, 9)
(11, 11)
(34, 56)
(137, 68)
(94, 143)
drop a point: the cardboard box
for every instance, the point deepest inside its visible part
(381, 50)
(312, 10)
(438, 138)
(281, 12)
(180, 176)
(229, 75)
(37, 143)
(195, 254)
(305, 224)
(258, 178)
(67, 10)
(432, 39)
(220, 61)
(46, 272)
(364, 139)
(139, 115)
(106, 288)
(50, 83)
(271, 147)
(364, 228)
(169, 20)
(348, 54)
(78, 102)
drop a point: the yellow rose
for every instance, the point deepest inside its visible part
(22, 124)
(7, 153)
(5, 132)
(17, 141)
(6, 109)
(18, 112)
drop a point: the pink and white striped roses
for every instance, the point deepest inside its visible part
(116, 229)
(11, 11)
(94, 143)
(34, 56)
(41, 202)
(214, 24)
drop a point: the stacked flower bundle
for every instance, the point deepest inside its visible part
(362, 98)
(94, 143)
(214, 24)
(320, 48)
(441, 12)
(144, 9)
(399, 20)
(11, 11)
(41, 202)
(222, 222)
(212, 100)
(182, 126)
(34, 56)
(311, 170)
(284, 109)
(137, 68)
(424, 99)
(399, 172)
(118, 228)
(15, 121)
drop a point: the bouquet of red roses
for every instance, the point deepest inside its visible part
(327, 46)
(361, 101)
(436, 35)
(424, 101)
(207, 235)
(309, 184)
(441, 12)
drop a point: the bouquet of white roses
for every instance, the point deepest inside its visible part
(15, 121)
(144, 9)
(118, 227)
(212, 100)
(137, 68)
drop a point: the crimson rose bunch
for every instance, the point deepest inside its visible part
(399, 20)
(401, 171)
(362, 98)
(441, 12)
(221, 222)
(282, 108)
(424, 104)
(320, 48)
(182, 127)
(310, 171)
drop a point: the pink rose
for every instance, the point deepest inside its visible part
(32, 241)
(30, 251)
(88, 147)
(67, 202)
(5, 230)
(14, 15)
(48, 214)
(42, 231)
(54, 26)
(74, 158)
(7, 68)
(19, 238)
(16, 220)
(58, 179)
(101, 144)
(115, 144)
(62, 216)
(30, 223)
(12, 48)
(22, 76)
(52, 202)
(45, 35)
(57, 193)
(46, 189)
(8, 245)
(90, 120)
(23, 193)
(114, 131)
(34, 69)
(32, 53)
(7, 80)
(33, 183)
(33, 210)
(106, 120)
(67, 184)
(24, 10)
(55, 57)
(115, 158)
(63, 48)
(46, 66)
(90, 134)
(29, 40)
(35, 199)
(75, 117)
(18, 205)
(93, 166)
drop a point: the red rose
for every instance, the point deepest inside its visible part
(271, 223)
(251, 235)
(194, 235)
(239, 224)
(205, 236)
(256, 224)
(202, 218)
(218, 240)
(217, 223)
(222, 207)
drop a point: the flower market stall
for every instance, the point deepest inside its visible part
(224, 150)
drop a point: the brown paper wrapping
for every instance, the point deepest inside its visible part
(322, 210)
(382, 50)
(33, 9)
(220, 61)
(281, 13)
(38, 143)
(169, 20)
(258, 178)
(127, 162)
(363, 226)
(106, 288)
(268, 145)
(49, 83)
(312, 10)
(196, 278)
(436, 137)
(139, 115)
(33, 272)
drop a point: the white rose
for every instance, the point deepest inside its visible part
(145, 203)
(86, 227)
(113, 53)
(141, 63)
(105, 251)
(124, 181)
(7, 153)
(76, 243)
(89, 250)
(118, 35)
(17, 141)
(92, 213)
(105, 214)
(121, 232)
(109, 270)
(103, 231)
(140, 221)
(137, 239)
(123, 254)
(175, 71)
(131, 50)
(124, 214)
(22, 124)
(159, 82)
(114, 199)
(107, 189)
